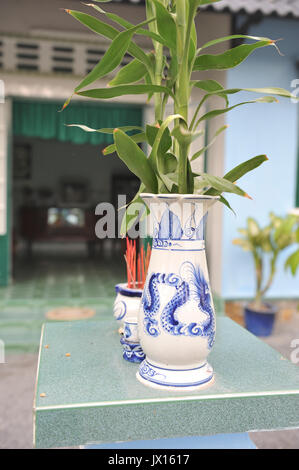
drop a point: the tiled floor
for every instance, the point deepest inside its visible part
(48, 281)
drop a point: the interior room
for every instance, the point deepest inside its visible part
(57, 181)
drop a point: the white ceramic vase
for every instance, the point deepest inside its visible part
(176, 319)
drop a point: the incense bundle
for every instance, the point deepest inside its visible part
(137, 265)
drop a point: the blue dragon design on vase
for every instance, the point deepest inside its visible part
(189, 285)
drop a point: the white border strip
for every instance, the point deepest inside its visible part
(167, 399)
(36, 383)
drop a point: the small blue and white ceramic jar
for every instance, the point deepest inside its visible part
(127, 303)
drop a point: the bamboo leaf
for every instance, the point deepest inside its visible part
(127, 25)
(112, 57)
(228, 59)
(217, 112)
(113, 92)
(137, 138)
(240, 170)
(165, 142)
(234, 36)
(226, 203)
(133, 72)
(212, 87)
(135, 159)
(155, 155)
(206, 2)
(108, 130)
(206, 147)
(221, 184)
(170, 163)
(130, 219)
(103, 29)
(166, 25)
(269, 90)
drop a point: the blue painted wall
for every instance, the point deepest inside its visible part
(255, 129)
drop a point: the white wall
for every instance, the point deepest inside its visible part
(257, 129)
(54, 161)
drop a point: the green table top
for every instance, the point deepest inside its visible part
(92, 394)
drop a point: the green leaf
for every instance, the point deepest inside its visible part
(129, 219)
(133, 72)
(127, 25)
(204, 149)
(165, 142)
(166, 25)
(252, 227)
(245, 244)
(206, 2)
(217, 112)
(112, 57)
(228, 59)
(240, 170)
(293, 262)
(113, 92)
(170, 163)
(212, 87)
(156, 156)
(269, 90)
(103, 29)
(234, 36)
(226, 203)
(221, 184)
(137, 138)
(103, 130)
(135, 159)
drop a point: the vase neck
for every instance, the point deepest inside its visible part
(177, 220)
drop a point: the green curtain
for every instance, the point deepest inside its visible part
(42, 119)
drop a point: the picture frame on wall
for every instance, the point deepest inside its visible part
(22, 162)
(74, 192)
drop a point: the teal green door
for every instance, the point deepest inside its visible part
(5, 191)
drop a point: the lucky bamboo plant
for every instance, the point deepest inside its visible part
(265, 245)
(168, 74)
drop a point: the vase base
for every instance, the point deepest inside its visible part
(132, 352)
(171, 379)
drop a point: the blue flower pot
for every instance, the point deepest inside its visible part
(260, 323)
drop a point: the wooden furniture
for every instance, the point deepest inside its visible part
(87, 393)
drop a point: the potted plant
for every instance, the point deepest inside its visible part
(265, 245)
(176, 318)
